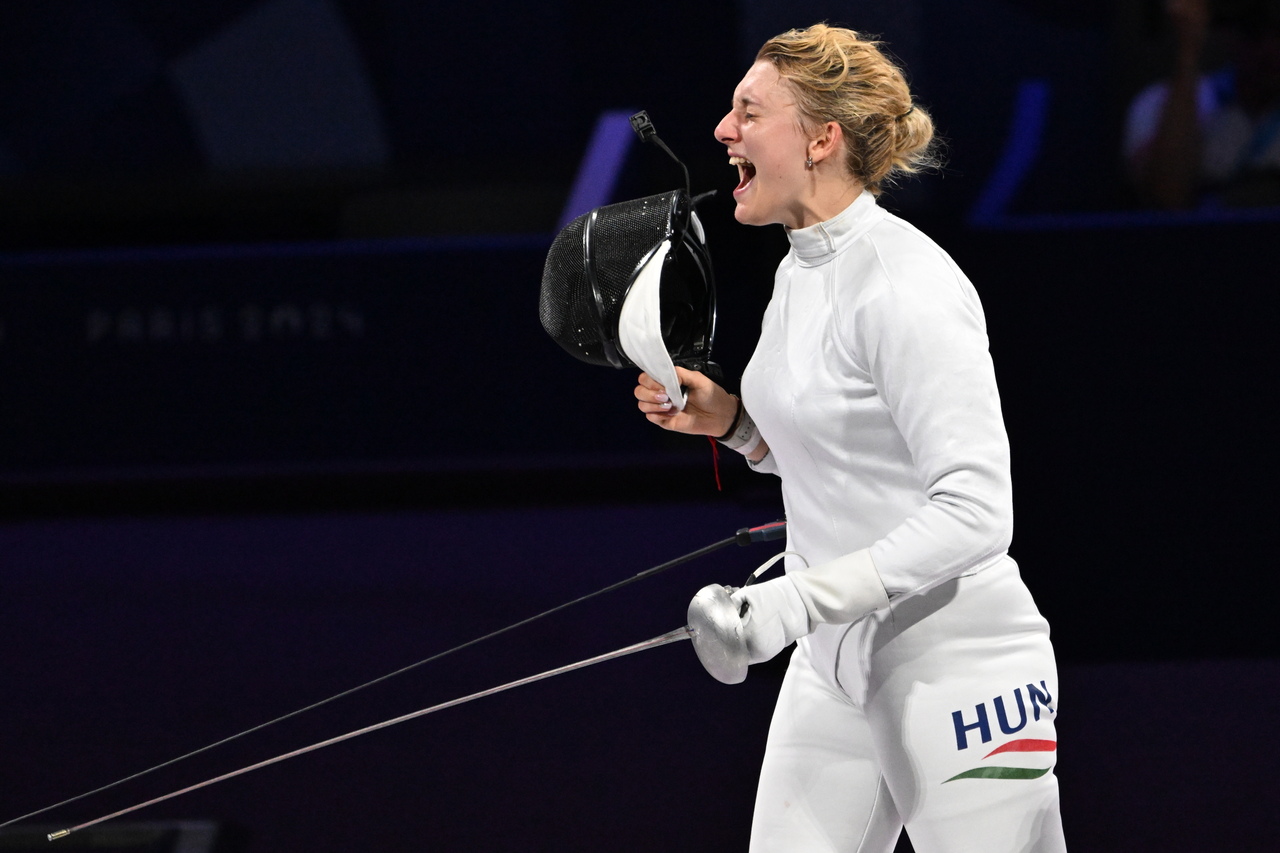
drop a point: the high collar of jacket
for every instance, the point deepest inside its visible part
(819, 243)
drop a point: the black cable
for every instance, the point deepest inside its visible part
(745, 536)
(643, 127)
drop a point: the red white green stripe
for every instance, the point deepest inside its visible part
(1021, 745)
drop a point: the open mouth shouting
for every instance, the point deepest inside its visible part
(746, 173)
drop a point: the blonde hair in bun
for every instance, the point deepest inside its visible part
(839, 75)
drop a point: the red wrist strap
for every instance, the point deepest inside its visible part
(715, 461)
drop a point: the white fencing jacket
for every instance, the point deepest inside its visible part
(873, 386)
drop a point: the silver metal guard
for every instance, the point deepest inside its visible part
(717, 634)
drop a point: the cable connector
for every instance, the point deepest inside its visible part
(764, 533)
(643, 125)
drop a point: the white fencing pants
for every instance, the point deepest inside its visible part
(936, 713)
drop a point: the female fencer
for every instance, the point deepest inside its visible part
(922, 690)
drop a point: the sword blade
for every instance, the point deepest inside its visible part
(662, 640)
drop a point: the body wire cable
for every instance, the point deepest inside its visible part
(745, 536)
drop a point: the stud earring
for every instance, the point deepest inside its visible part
(808, 164)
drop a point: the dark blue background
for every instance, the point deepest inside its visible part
(278, 417)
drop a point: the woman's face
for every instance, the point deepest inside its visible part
(769, 147)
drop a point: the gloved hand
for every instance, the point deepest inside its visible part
(775, 617)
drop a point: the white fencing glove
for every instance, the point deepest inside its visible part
(783, 610)
(774, 617)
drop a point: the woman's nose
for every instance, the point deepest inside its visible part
(724, 130)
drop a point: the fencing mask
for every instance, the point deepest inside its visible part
(630, 285)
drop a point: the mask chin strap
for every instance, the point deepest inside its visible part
(640, 326)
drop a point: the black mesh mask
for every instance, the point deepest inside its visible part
(631, 285)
